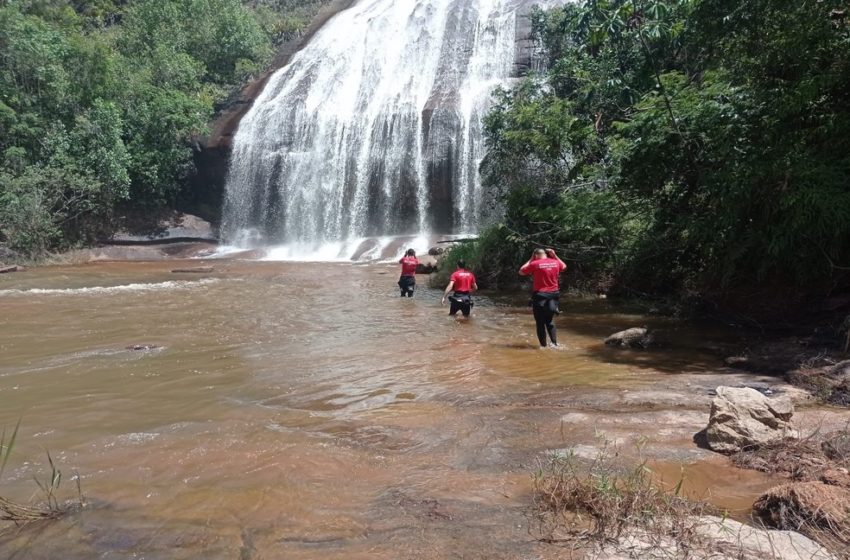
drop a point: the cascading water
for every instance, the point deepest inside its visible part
(375, 127)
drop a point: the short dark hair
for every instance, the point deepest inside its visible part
(461, 263)
(411, 253)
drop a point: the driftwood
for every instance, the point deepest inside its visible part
(195, 270)
(11, 511)
(465, 240)
(10, 268)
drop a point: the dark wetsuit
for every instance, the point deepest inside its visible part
(463, 281)
(545, 307)
(407, 284)
(461, 301)
(545, 295)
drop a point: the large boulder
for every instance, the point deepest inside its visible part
(743, 417)
(637, 337)
(427, 265)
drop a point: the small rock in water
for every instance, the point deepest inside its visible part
(194, 270)
(142, 347)
(436, 251)
(637, 337)
(738, 362)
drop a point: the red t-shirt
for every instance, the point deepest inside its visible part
(545, 273)
(408, 266)
(463, 280)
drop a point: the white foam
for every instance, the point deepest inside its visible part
(223, 251)
(101, 290)
(336, 251)
(420, 244)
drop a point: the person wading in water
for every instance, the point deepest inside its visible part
(544, 267)
(407, 282)
(462, 282)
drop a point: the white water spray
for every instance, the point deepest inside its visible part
(374, 129)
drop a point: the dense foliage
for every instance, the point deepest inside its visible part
(100, 101)
(680, 146)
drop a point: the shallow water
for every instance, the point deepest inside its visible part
(292, 410)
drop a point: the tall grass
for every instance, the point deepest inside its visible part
(50, 507)
(601, 503)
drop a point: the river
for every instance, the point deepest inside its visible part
(297, 410)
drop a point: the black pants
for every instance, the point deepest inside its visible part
(461, 301)
(545, 306)
(407, 284)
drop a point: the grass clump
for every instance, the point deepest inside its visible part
(600, 504)
(50, 507)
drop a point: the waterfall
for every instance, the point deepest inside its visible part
(375, 128)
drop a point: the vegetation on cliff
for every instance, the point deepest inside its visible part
(680, 146)
(100, 102)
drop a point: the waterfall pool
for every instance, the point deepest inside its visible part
(303, 410)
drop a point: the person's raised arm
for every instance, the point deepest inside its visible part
(551, 254)
(446, 293)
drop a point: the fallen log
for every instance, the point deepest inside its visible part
(195, 270)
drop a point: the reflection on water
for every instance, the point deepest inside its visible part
(291, 410)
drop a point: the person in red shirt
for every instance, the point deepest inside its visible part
(544, 267)
(462, 282)
(407, 282)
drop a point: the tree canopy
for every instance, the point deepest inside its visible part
(100, 101)
(681, 146)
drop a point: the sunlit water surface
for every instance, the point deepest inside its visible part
(291, 410)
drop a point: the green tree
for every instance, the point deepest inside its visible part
(717, 135)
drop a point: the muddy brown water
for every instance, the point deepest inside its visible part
(290, 410)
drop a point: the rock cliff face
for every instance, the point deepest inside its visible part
(212, 152)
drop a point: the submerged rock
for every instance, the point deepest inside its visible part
(743, 417)
(637, 337)
(142, 347)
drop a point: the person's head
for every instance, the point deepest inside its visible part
(461, 263)
(540, 253)
(410, 253)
